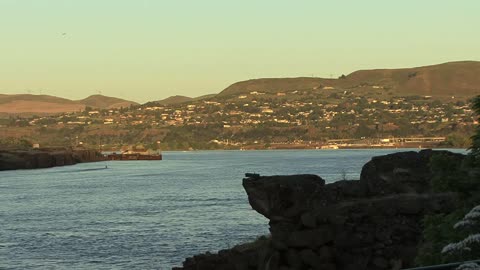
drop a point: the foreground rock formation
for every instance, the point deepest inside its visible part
(373, 223)
(46, 158)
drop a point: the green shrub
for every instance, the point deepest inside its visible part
(441, 232)
(451, 174)
(468, 247)
(437, 234)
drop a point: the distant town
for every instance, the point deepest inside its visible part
(326, 118)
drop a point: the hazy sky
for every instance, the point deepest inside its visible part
(148, 50)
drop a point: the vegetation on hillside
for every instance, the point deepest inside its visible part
(367, 106)
(302, 119)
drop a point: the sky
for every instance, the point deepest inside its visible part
(145, 50)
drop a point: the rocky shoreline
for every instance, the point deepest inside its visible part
(374, 223)
(46, 158)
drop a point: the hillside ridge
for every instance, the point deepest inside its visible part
(446, 79)
(47, 104)
(460, 79)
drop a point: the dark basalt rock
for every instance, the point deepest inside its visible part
(282, 197)
(370, 224)
(400, 172)
(45, 158)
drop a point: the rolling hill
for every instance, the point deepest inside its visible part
(174, 100)
(104, 102)
(45, 104)
(448, 79)
(181, 99)
(460, 79)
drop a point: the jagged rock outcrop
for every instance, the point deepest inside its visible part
(46, 158)
(373, 223)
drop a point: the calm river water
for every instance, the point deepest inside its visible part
(145, 214)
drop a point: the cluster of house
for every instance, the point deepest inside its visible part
(252, 109)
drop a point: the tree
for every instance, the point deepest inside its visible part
(446, 239)
(364, 131)
(475, 149)
(468, 247)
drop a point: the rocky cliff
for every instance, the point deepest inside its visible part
(373, 223)
(46, 158)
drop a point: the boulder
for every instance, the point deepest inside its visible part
(282, 197)
(403, 172)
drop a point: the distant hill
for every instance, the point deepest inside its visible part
(181, 99)
(205, 97)
(34, 98)
(174, 100)
(273, 85)
(104, 102)
(449, 79)
(460, 79)
(45, 104)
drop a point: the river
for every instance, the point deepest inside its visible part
(146, 214)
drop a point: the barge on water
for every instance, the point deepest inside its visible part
(133, 155)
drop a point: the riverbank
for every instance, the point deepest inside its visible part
(318, 146)
(298, 147)
(306, 146)
(46, 158)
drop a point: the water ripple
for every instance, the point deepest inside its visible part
(144, 215)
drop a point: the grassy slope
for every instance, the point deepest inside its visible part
(104, 102)
(44, 104)
(454, 78)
